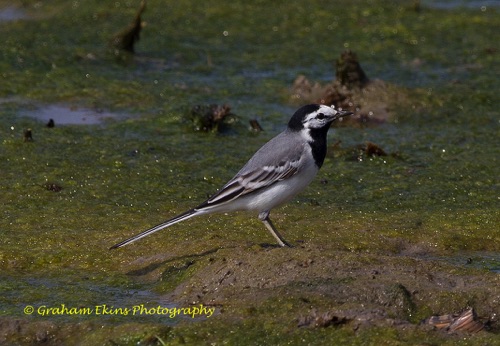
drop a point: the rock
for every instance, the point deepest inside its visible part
(126, 38)
(349, 72)
(211, 117)
(352, 90)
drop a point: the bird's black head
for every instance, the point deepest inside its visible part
(314, 116)
(313, 122)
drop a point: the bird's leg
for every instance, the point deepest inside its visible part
(264, 217)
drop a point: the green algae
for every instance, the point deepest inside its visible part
(436, 195)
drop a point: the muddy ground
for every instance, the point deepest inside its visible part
(392, 232)
(307, 288)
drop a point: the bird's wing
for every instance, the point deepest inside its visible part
(275, 161)
(253, 180)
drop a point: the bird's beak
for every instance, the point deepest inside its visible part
(341, 114)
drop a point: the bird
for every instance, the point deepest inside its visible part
(277, 172)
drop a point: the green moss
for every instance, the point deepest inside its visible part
(435, 191)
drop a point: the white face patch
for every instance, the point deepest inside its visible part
(319, 118)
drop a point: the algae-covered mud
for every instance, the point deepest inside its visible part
(396, 242)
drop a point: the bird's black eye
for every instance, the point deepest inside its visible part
(320, 116)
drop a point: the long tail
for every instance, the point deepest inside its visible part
(184, 216)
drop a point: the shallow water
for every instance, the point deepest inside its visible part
(11, 13)
(102, 302)
(473, 259)
(434, 196)
(67, 115)
(454, 4)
